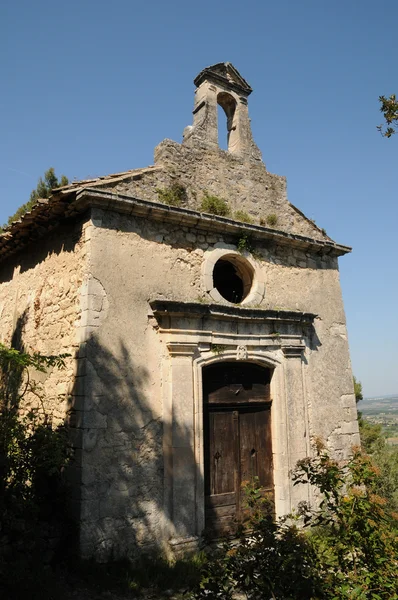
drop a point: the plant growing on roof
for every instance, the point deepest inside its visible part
(175, 195)
(215, 205)
(271, 220)
(241, 215)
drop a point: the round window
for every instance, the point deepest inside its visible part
(233, 277)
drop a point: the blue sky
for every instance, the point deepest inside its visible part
(91, 88)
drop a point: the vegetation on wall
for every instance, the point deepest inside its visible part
(270, 220)
(175, 195)
(244, 243)
(43, 190)
(215, 205)
(241, 215)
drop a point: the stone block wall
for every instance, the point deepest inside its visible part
(40, 309)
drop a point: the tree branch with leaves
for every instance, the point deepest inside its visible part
(389, 108)
(43, 190)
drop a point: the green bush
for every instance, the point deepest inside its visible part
(33, 456)
(346, 548)
(241, 215)
(244, 243)
(175, 195)
(215, 206)
(385, 458)
(272, 220)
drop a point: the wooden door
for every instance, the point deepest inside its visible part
(237, 438)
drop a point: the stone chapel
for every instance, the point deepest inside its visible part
(205, 349)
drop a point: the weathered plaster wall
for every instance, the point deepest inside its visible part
(40, 309)
(125, 367)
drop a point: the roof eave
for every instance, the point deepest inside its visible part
(191, 218)
(71, 203)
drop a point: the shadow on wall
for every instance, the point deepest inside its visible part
(33, 519)
(64, 239)
(116, 478)
(19, 329)
(118, 475)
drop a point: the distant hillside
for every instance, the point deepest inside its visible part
(379, 405)
(383, 411)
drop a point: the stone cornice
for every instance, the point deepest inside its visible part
(197, 310)
(203, 221)
(48, 214)
(233, 332)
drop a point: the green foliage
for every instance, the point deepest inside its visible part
(215, 206)
(355, 535)
(32, 458)
(385, 458)
(241, 215)
(347, 548)
(175, 195)
(43, 190)
(371, 435)
(244, 243)
(218, 348)
(389, 108)
(357, 390)
(271, 220)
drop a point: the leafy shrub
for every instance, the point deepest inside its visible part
(385, 458)
(32, 495)
(347, 549)
(241, 215)
(175, 195)
(215, 206)
(244, 243)
(271, 220)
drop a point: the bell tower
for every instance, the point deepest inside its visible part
(221, 84)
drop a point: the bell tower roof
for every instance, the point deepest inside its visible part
(224, 73)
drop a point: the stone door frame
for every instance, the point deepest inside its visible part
(187, 349)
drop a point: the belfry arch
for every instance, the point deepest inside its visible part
(227, 102)
(222, 85)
